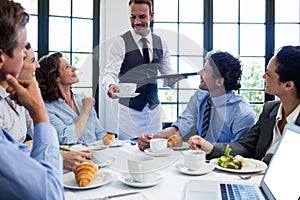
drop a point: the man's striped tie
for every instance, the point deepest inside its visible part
(205, 123)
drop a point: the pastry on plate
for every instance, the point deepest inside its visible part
(175, 141)
(108, 139)
(85, 173)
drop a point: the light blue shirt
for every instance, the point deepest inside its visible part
(63, 118)
(231, 117)
(14, 119)
(35, 174)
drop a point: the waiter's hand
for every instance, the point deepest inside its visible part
(111, 90)
(171, 81)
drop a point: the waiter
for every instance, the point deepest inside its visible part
(135, 57)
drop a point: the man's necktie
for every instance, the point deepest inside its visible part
(145, 50)
(205, 123)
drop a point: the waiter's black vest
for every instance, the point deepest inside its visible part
(135, 70)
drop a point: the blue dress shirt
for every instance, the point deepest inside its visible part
(231, 117)
(63, 119)
(35, 174)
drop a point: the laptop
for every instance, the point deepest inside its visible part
(280, 182)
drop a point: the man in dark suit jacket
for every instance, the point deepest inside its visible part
(256, 143)
(281, 80)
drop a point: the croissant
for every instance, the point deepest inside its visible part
(108, 139)
(175, 141)
(85, 173)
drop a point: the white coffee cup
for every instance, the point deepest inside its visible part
(141, 168)
(194, 159)
(127, 88)
(158, 144)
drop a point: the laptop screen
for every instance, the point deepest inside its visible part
(283, 174)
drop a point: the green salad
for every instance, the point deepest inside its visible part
(228, 161)
(64, 148)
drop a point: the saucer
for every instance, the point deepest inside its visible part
(206, 168)
(128, 180)
(126, 95)
(184, 146)
(161, 153)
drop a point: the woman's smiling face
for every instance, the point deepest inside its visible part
(29, 66)
(273, 84)
(67, 75)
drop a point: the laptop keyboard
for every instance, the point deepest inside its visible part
(235, 191)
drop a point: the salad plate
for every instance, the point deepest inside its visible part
(252, 166)
(101, 178)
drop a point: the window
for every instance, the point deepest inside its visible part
(192, 27)
(287, 23)
(243, 34)
(31, 7)
(71, 32)
(184, 35)
(65, 27)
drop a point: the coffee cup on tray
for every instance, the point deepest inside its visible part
(127, 88)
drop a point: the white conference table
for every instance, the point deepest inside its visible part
(172, 186)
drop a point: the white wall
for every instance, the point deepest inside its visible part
(114, 20)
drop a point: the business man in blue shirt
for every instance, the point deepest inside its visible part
(25, 173)
(230, 116)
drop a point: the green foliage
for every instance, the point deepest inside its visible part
(252, 76)
(169, 95)
(253, 81)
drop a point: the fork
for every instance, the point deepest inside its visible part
(245, 177)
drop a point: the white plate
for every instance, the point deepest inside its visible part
(104, 161)
(94, 146)
(184, 146)
(161, 153)
(128, 180)
(253, 166)
(78, 147)
(117, 143)
(97, 147)
(206, 168)
(125, 95)
(100, 179)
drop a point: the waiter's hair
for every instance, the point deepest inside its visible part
(148, 2)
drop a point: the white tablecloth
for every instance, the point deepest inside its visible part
(171, 187)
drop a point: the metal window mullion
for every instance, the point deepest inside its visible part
(270, 37)
(43, 28)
